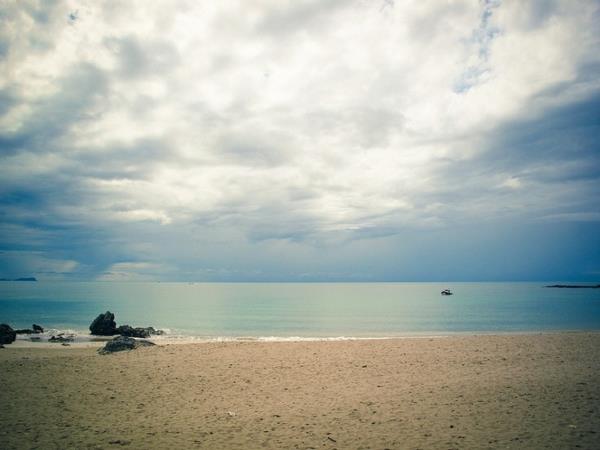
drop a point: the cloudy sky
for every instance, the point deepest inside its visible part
(307, 140)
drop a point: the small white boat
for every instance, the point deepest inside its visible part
(446, 292)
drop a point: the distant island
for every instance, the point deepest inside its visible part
(575, 286)
(19, 279)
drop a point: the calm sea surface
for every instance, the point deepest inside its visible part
(211, 310)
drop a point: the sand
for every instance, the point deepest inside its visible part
(505, 391)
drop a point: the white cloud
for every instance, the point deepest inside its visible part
(511, 183)
(133, 271)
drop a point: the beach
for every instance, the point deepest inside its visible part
(480, 391)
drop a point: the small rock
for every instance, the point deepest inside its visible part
(7, 334)
(139, 332)
(125, 330)
(61, 338)
(121, 343)
(37, 328)
(24, 331)
(120, 442)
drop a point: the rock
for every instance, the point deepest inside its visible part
(24, 331)
(7, 334)
(125, 330)
(104, 325)
(61, 338)
(1, 346)
(139, 332)
(33, 330)
(121, 343)
(150, 331)
(19, 279)
(129, 331)
(574, 286)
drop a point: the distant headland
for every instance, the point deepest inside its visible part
(575, 286)
(19, 279)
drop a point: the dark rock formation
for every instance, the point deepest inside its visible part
(129, 331)
(7, 334)
(61, 338)
(139, 332)
(104, 325)
(121, 343)
(19, 279)
(34, 329)
(575, 286)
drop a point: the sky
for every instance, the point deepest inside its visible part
(304, 140)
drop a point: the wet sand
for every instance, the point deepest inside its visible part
(506, 391)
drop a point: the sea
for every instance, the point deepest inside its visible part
(300, 311)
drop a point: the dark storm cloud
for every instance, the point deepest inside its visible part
(548, 163)
(563, 138)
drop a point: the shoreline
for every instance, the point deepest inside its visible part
(92, 341)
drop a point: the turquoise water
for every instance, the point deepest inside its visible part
(305, 310)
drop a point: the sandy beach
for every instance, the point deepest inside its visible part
(495, 391)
